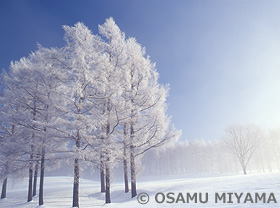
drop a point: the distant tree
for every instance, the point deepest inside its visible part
(242, 141)
(274, 138)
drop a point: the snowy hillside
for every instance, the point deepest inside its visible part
(58, 192)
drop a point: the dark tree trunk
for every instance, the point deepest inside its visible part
(4, 185)
(35, 179)
(102, 176)
(133, 172)
(29, 197)
(125, 170)
(4, 188)
(42, 175)
(244, 170)
(76, 176)
(107, 170)
(132, 164)
(76, 184)
(107, 194)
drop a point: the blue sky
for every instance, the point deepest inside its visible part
(221, 57)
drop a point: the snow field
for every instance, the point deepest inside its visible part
(58, 192)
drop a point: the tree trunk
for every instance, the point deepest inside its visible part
(133, 172)
(35, 179)
(42, 175)
(132, 164)
(4, 188)
(29, 197)
(76, 176)
(102, 175)
(244, 170)
(76, 184)
(107, 168)
(107, 194)
(125, 170)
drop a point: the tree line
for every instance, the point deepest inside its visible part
(96, 101)
(242, 149)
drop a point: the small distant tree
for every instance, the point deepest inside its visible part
(274, 138)
(242, 141)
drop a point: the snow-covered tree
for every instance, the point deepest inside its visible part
(97, 99)
(30, 91)
(10, 149)
(115, 53)
(242, 141)
(274, 144)
(78, 61)
(146, 125)
(21, 94)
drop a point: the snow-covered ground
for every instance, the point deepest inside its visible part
(58, 192)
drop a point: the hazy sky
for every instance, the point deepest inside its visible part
(221, 57)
